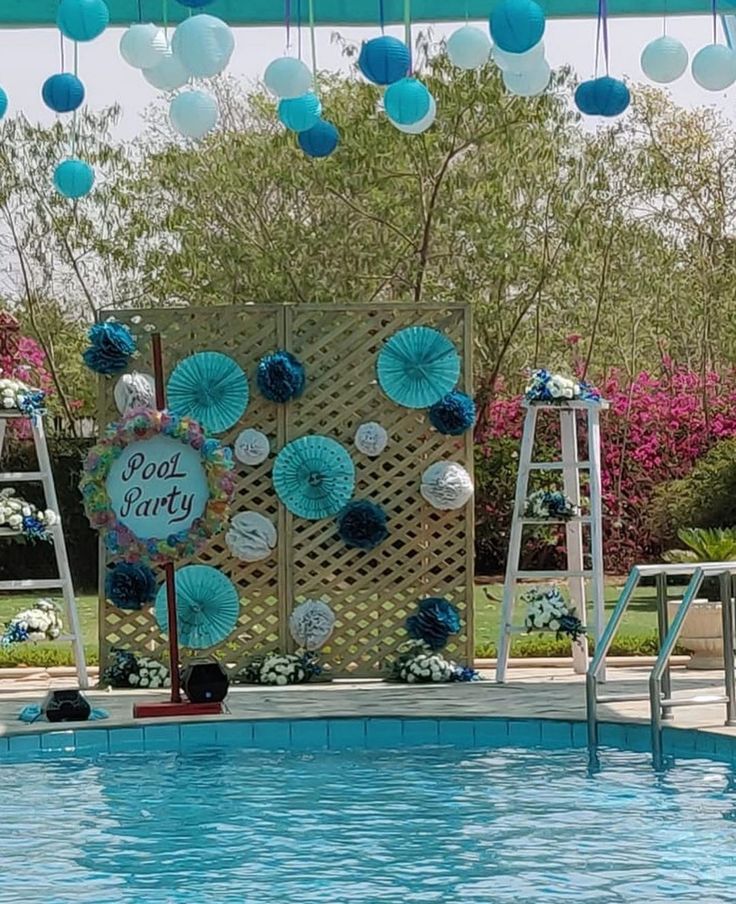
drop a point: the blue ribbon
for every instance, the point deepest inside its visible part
(287, 21)
(382, 15)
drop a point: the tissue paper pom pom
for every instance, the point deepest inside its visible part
(434, 623)
(311, 624)
(129, 585)
(453, 414)
(446, 485)
(362, 524)
(280, 377)
(111, 347)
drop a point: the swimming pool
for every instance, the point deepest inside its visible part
(491, 824)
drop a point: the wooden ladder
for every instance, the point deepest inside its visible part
(576, 572)
(63, 582)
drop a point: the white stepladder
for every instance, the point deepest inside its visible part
(63, 582)
(576, 572)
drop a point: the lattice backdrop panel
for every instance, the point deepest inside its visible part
(428, 553)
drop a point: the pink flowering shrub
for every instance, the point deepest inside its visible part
(27, 363)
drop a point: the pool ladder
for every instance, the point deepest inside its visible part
(660, 696)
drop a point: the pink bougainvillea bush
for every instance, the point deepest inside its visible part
(28, 364)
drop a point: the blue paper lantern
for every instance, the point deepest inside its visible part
(603, 96)
(664, 60)
(193, 113)
(517, 25)
(300, 113)
(407, 101)
(3, 103)
(384, 60)
(204, 45)
(63, 93)
(82, 20)
(416, 128)
(74, 178)
(468, 47)
(714, 67)
(287, 77)
(319, 141)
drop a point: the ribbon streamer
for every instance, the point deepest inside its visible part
(382, 16)
(407, 33)
(714, 7)
(313, 41)
(287, 22)
(602, 33)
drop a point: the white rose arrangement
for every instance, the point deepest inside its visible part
(150, 674)
(419, 664)
(16, 395)
(126, 670)
(280, 669)
(24, 517)
(41, 622)
(547, 610)
(545, 386)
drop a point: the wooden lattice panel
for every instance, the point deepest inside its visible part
(428, 552)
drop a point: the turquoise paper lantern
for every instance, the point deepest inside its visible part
(287, 77)
(384, 60)
(143, 45)
(529, 83)
(204, 45)
(664, 60)
(82, 20)
(74, 178)
(469, 47)
(300, 113)
(319, 141)
(585, 99)
(714, 67)
(407, 101)
(193, 113)
(603, 96)
(63, 92)
(168, 75)
(416, 128)
(3, 103)
(517, 25)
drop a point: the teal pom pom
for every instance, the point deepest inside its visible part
(362, 525)
(111, 347)
(280, 377)
(453, 414)
(130, 585)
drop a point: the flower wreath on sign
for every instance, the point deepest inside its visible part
(155, 487)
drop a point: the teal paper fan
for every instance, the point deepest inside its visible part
(417, 367)
(209, 387)
(207, 606)
(314, 477)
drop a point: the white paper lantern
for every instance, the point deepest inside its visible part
(518, 62)
(446, 485)
(371, 439)
(167, 75)
(714, 67)
(143, 46)
(252, 447)
(311, 624)
(664, 60)
(135, 390)
(193, 113)
(251, 536)
(288, 77)
(204, 44)
(529, 83)
(416, 128)
(469, 47)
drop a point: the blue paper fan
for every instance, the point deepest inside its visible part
(209, 387)
(314, 477)
(417, 367)
(207, 606)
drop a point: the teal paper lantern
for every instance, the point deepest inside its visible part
(664, 60)
(167, 75)
(82, 20)
(204, 45)
(517, 25)
(143, 45)
(529, 83)
(300, 113)
(3, 103)
(468, 47)
(74, 178)
(193, 113)
(714, 67)
(63, 92)
(603, 96)
(585, 99)
(384, 60)
(416, 128)
(287, 77)
(407, 101)
(319, 141)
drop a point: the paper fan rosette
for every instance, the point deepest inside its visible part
(207, 606)
(155, 487)
(417, 367)
(314, 477)
(209, 387)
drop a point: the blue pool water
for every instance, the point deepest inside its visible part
(371, 827)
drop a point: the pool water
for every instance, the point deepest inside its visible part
(425, 825)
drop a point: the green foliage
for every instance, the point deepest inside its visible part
(28, 655)
(712, 544)
(542, 645)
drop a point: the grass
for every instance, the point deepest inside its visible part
(636, 636)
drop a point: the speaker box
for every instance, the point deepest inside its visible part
(66, 706)
(205, 682)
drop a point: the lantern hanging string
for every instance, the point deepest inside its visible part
(165, 18)
(714, 7)
(407, 33)
(140, 11)
(313, 42)
(74, 114)
(299, 28)
(382, 16)
(287, 22)
(602, 34)
(61, 49)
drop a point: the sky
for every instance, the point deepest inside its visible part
(30, 56)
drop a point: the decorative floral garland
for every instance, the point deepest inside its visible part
(24, 517)
(14, 394)
(419, 664)
(128, 670)
(143, 424)
(41, 622)
(546, 610)
(550, 505)
(281, 669)
(548, 387)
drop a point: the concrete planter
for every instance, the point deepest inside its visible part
(702, 633)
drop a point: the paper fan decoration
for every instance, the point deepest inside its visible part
(311, 624)
(209, 387)
(207, 606)
(446, 485)
(251, 536)
(252, 447)
(314, 477)
(417, 367)
(134, 390)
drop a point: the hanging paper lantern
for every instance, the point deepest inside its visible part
(74, 178)
(193, 113)
(319, 141)
(517, 25)
(82, 20)
(529, 83)
(714, 67)
(519, 62)
(416, 128)
(204, 44)
(384, 60)
(3, 103)
(603, 96)
(468, 47)
(300, 113)
(287, 77)
(143, 46)
(63, 92)
(407, 101)
(167, 75)
(664, 60)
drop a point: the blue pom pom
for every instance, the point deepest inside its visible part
(63, 92)
(436, 620)
(384, 60)
(319, 141)
(111, 347)
(280, 377)
(362, 524)
(129, 585)
(453, 414)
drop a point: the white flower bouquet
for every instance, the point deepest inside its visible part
(546, 505)
(281, 669)
(419, 664)
(41, 622)
(545, 386)
(25, 518)
(150, 674)
(16, 395)
(127, 671)
(547, 610)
